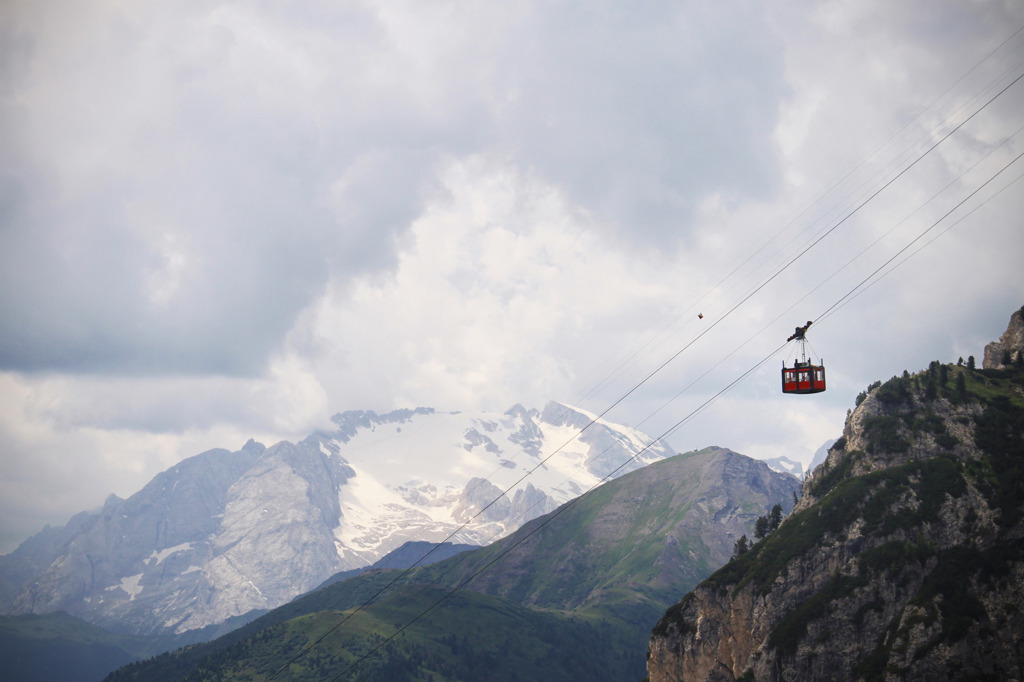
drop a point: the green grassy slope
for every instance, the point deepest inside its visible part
(473, 637)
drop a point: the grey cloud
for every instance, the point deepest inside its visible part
(224, 193)
(640, 112)
(238, 190)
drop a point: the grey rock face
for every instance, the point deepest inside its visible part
(216, 536)
(155, 539)
(820, 454)
(1011, 341)
(529, 436)
(275, 538)
(350, 422)
(481, 499)
(35, 555)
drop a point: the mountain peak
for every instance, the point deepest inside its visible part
(252, 446)
(1010, 346)
(518, 410)
(557, 414)
(350, 422)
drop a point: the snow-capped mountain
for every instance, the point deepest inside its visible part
(785, 465)
(224, 533)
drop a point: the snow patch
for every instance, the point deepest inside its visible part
(164, 553)
(130, 585)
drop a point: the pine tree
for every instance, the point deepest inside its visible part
(761, 527)
(741, 547)
(775, 517)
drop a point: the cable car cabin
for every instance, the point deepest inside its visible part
(803, 377)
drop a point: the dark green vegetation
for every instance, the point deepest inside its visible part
(870, 497)
(472, 637)
(925, 521)
(58, 646)
(569, 596)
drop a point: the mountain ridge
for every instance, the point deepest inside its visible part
(224, 533)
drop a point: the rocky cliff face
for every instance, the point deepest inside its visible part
(904, 559)
(1008, 348)
(195, 547)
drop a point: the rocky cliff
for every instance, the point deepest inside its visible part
(1007, 349)
(196, 546)
(904, 559)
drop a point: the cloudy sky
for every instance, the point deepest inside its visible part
(230, 220)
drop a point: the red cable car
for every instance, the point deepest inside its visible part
(804, 376)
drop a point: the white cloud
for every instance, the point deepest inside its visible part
(501, 280)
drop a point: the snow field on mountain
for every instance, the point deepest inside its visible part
(412, 478)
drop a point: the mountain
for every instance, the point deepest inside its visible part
(224, 534)
(408, 555)
(623, 546)
(820, 454)
(903, 560)
(785, 465)
(569, 595)
(34, 556)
